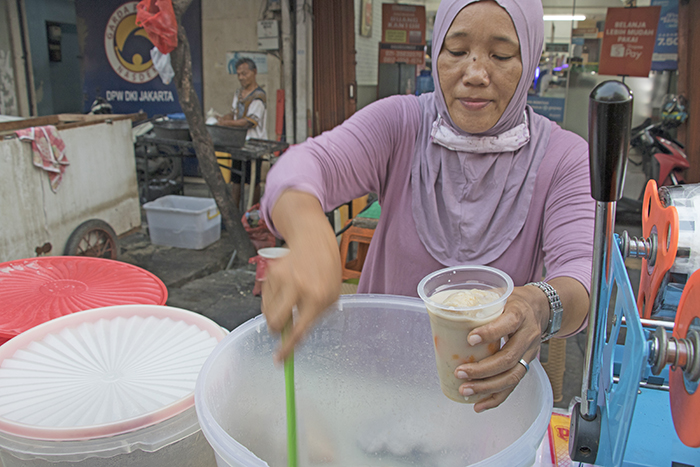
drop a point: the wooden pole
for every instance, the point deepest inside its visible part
(181, 61)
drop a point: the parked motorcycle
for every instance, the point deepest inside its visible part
(157, 164)
(164, 171)
(663, 158)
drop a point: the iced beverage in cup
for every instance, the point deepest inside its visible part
(460, 299)
(265, 255)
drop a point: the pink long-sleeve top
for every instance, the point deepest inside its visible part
(373, 151)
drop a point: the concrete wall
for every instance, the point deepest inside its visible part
(99, 183)
(231, 26)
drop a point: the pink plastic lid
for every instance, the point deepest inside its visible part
(37, 290)
(103, 372)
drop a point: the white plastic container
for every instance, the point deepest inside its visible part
(175, 442)
(183, 221)
(107, 387)
(367, 394)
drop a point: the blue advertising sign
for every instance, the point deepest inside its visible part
(550, 107)
(665, 55)
(117, 61)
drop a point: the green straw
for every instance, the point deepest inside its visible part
(291, 403)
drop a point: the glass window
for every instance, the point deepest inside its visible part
(568, 69)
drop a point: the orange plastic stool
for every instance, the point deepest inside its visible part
(361, 235)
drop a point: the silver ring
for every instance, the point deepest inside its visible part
(525, 364)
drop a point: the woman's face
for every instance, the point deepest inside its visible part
(479, 66)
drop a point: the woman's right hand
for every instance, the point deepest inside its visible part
(309, 277)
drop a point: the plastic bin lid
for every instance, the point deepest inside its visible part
(36, 290)
(103, 372)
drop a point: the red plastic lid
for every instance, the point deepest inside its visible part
(37, 290)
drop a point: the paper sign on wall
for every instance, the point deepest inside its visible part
(628, 42)
(403, 24)
(403, 34)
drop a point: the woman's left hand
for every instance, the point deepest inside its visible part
(524, 318)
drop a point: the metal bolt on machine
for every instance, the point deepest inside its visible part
(639, 400)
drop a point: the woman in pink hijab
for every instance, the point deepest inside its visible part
(468, 174)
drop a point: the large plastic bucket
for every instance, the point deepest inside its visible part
(107, 387)
(367, 394)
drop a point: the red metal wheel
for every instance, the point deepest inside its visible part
(93, 238)
(662, 221)
(685, 404)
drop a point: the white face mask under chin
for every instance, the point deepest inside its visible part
(511, 140)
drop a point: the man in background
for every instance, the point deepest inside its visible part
(247, 111)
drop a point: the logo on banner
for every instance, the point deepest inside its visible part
(128, 47)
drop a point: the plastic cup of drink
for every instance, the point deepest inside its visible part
(267, 254)
(454, 311)
(264, 256)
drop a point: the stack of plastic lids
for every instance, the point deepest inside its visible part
(35, 290)
(106, 382)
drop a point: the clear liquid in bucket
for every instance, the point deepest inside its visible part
(371, 422)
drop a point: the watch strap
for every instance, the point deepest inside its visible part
(555, 309)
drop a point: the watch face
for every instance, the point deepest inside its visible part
(556, 321)
(555, 308)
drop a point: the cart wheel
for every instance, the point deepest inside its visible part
(93, 238)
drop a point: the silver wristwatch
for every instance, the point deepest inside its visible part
(555, 308)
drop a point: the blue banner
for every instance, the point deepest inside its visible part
(665, 55)
(117, 61)
(550, 107)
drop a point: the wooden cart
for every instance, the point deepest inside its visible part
(96, 202)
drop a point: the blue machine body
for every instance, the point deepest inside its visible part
(653, 441)
(636, 425)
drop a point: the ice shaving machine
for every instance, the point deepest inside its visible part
(640, 404)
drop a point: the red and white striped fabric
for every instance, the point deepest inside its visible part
(48, 151)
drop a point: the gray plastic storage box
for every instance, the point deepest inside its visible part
(183, 221)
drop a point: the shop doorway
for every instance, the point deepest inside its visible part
(335, 89)
(64, 68)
